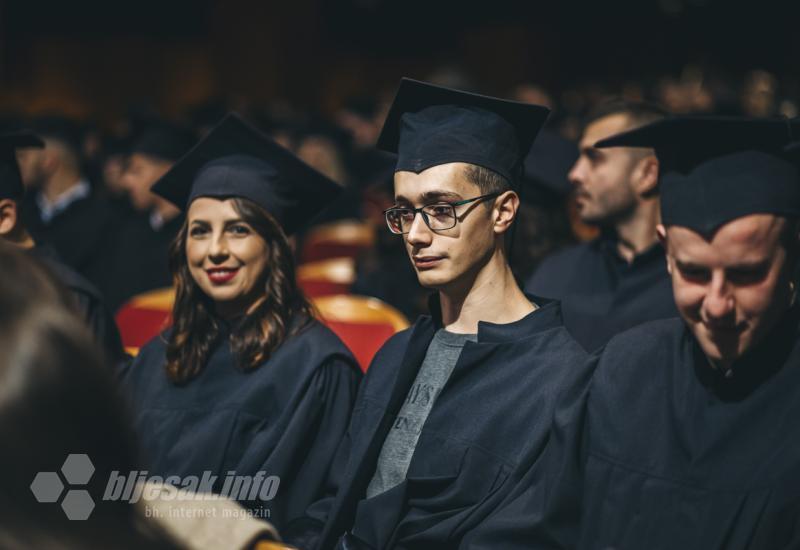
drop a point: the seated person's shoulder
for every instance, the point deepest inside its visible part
(643, 348)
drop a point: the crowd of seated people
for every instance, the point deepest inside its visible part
(431, 319)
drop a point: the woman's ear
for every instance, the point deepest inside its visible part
(8, 217)
(505, 211)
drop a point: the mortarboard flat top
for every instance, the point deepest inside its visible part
(428, 125)
(10, 181)
(716, 169)
(236, 160)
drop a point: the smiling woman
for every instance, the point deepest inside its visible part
(247, 382)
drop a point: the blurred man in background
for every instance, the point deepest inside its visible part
(137, 259)
(61, 208)
(619, 279)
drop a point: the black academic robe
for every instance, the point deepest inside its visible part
(664, 452)
(285, 418)
(138, 259)
(601, 294)
(496, 403)
(87, 299)
(81, 234)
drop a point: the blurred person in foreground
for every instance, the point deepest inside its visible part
(450, 405)
(57, 401)
(686, 435)
(13, 231)
(619, 279)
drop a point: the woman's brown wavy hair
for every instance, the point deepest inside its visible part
(196, 329)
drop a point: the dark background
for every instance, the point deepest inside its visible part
(97, 58)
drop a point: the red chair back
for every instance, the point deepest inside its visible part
(345, 239)
(326, 277)
(144, 316)
(364, 324)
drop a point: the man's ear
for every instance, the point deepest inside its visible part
(8, 217)
(661, 231)
(645, 176)
(505, 211)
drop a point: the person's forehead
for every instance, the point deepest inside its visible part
(211, 208)
(749, 238)
(603, 128)
(450, 177)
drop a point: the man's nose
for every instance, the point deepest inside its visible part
(719, 302)
(419, 234)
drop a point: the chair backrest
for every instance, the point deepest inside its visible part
(364, 324)
(144, 316)
(326, 277)
(344, 239)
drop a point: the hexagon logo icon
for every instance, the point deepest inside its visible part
(78, 505)
(77, 469)
(47, 487)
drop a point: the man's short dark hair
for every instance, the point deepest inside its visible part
(639, 113)
(488, 181)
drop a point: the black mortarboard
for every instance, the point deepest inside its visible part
(236, 160)
(547, 165)
(428, 125)
(163, 140)
(716, 169)
(10, 181)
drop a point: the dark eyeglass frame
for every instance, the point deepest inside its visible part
(420, 211)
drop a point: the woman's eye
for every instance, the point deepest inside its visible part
(239, 230)
(197, 231)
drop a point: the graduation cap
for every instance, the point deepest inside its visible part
(428, 125)
(11, 186)
(163, 140)
(716, 169)
(236, 160)
(546, 167)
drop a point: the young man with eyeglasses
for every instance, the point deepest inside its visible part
(449, 407)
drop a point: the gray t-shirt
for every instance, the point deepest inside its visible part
(399, 445)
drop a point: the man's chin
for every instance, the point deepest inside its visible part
(722, 352)
(433, 281)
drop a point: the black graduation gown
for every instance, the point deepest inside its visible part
(664, 452)
(601, 294)
(81, 234)
(88, 300)
(285, 418)
(138, 259)
(497, 402)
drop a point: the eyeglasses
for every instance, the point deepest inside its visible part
(437, 216)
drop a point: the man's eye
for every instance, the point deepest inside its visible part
(439, 210)
(694, 274)
(405, 215)
(747, 276)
